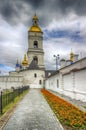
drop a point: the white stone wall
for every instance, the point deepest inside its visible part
(6, 82)
(51, 83)
(26, 78)
(72, 84)
(80, 84)
(78, 65)
(68, 82)
(14, 73)
(33, 82)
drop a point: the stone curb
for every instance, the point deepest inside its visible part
(57, 119)
(54, 115)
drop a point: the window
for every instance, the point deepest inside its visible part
(35, 75)
(40, 82)
(35, 59)
(57, 83)
(35, 44)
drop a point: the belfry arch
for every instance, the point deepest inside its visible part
(35, 58)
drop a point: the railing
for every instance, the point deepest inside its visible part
(8, 96)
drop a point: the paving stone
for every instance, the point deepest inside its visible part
(33, 113)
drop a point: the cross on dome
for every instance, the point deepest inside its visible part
(35, 27)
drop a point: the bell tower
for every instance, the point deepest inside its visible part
(35, 44)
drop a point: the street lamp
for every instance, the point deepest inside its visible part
(57, 60)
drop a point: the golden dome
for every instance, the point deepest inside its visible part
(35, 28)
(25, 61)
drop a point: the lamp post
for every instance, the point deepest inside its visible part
(57, 60)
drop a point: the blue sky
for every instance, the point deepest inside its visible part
(63, 23)
(4, 69)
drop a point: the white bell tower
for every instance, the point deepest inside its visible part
(35, 44)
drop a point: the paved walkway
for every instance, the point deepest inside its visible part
(81, 105)
(33, 113)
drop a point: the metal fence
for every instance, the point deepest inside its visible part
(9, 96)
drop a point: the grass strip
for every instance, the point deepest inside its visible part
(10, 105)
(9, 109)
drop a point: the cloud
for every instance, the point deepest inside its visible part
(22, 10)
(61, 46)
(13, 42)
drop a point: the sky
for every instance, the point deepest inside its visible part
(63, 23)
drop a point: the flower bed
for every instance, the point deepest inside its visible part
(69, 115)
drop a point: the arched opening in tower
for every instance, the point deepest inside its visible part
(35, 59)
(35, 44)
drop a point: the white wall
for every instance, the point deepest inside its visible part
(51, 83)
(78, 65)
(68, 81)
(26, 78)
(80, 84)
(72, 84)
(6, 82)
(29, 79)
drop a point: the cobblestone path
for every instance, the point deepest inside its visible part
(33, 113)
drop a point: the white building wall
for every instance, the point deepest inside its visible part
(14, 73)
(69, 85)
(31, 80)
(68, 82)
(80, 85)
(78, 65)
(80, 81)
(72, 84)
(51, 83)
(6, 82)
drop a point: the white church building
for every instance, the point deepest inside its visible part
(69, 80)
(31, 71)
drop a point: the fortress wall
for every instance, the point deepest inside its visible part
(6, 82)
(71, 84)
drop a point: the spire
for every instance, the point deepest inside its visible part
(17, 63)
(35, 20)
(17, 66)
(71, 56)
(25, 61)
(35, 27)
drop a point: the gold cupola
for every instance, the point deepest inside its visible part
(35, 27)
(25, 61)
(71, 56)
(35, 17)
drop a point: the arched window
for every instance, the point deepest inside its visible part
(40, 82)
(35, 75)
(35, 44)
(35, 59)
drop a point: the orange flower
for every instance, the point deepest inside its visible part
(65, 111)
